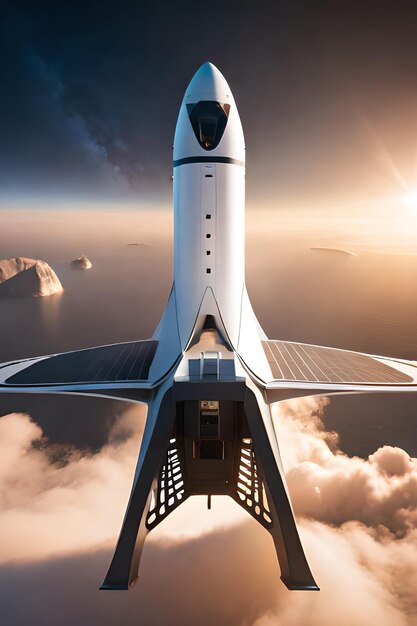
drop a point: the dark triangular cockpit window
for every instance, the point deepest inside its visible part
(208, 119)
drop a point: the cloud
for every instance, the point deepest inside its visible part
(67, 506)
(357, 520)
(329, 486)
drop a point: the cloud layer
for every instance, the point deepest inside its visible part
(49, 507)
(60, 514)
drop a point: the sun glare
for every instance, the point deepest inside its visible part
(409, 200)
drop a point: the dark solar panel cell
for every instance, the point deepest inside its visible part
(126, 362)
(137, 366)
(119, 362)
(304, 363)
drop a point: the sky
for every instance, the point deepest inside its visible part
(326, 91)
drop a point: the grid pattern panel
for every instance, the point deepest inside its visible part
(250, 489)
(169, 491)
(118, 362)
(304, 363)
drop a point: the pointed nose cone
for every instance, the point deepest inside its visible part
(208, 86)
(208, 83)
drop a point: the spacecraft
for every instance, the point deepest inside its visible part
(209, 373)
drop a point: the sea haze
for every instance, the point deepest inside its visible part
(366, 301)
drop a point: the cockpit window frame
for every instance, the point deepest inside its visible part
(208, 120)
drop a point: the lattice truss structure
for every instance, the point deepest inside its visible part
(250, 488)
(169, 489)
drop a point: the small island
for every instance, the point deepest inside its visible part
(334, 251)
(82, 263)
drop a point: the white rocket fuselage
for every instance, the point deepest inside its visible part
(209, 206)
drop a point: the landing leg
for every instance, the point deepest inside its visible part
(295, 572)
(160, 423)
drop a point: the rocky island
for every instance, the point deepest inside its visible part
(28, 277)
(82, 263)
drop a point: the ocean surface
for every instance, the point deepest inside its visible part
(366, 302)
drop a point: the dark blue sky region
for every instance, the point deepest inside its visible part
(91, 91)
